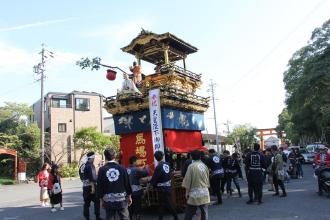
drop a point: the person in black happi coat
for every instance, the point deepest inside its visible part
(89, 179)
(114, 188)
(161, 180)
(255, 164)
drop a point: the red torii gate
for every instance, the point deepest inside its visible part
(265, 132)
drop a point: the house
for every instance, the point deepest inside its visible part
(65, 113)
(272, 141)
(108, 125)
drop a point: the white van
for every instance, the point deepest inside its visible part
(311, 148)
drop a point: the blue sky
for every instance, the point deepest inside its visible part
(244, 46)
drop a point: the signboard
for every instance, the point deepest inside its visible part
(156, 121)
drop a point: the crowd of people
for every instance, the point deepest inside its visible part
(118, 190)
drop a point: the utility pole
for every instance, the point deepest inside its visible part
(40, 70)
(228, 130)
(211, 89)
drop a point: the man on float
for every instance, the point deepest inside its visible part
(137, 75)
(161, 180)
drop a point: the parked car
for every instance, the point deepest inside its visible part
(308, 156)
(313, 147)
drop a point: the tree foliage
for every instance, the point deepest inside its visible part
(307, 84)
(16, 133)
(89, 139)
(246, 134)
(285, 125)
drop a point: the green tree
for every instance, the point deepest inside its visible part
(9, 140)
(17, 133)
(286, 125)
(307, 84)
(12, 115)
(246, 134)
(89, 139)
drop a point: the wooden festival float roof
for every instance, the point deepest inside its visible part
(177, 84)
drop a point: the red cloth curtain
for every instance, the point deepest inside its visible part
(183, 141)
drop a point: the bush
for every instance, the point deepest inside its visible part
(70, 170)
(6, 181)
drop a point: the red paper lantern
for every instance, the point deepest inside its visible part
(111, 74)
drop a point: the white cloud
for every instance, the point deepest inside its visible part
(36, 24)
(15, 60)
(18, 61)
(120, 32)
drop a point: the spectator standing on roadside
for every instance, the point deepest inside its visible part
(278, 172)
(55, 188)
(268, 164)
(42, 179)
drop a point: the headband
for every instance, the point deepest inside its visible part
(91, 157)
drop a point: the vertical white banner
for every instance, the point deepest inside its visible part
(156, 121)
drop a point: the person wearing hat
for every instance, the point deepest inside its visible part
(114, 188)
(161, 180)
(321, 160)
(89, 179)
(254, 163)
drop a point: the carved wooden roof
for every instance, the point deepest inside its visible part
(150, 47)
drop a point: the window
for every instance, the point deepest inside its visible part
(62, 127)
(60, 103)
(82, 104)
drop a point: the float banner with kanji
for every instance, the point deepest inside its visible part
(138, 144)
(156, 121)
(182, 120)
(139, 121)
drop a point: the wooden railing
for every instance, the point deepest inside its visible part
(180, 70)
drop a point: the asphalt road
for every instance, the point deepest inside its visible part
(21, 202)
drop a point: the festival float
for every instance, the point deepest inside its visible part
(158, 111)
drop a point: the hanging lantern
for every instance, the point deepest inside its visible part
(111, 74)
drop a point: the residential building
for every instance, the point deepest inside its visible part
(65, 113)
(108, 125)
